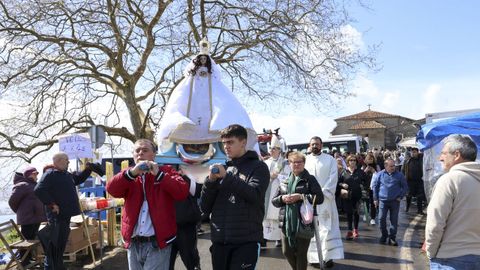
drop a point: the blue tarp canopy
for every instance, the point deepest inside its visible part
(432, 133)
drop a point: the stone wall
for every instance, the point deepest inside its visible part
(396, 127)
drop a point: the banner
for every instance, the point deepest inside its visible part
(77, 145)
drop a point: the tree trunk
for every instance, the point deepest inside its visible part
(141, 125)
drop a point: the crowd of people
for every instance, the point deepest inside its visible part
(379, 180)
(249, 201)
(252, 199)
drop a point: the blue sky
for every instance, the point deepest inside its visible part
(423, 40)
(430, 54)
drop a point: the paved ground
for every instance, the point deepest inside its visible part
(365, 253)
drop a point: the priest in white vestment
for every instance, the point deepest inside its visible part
(324, 168)
(279, 171)
(201, 106)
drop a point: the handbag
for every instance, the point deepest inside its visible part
(306, 211)
(306, 230)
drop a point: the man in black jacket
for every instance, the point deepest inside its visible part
(57, 192)
(235, 199)
(413, 170)
(188, 215)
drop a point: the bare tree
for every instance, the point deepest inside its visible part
(69, 64)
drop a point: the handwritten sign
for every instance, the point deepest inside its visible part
(76, 145)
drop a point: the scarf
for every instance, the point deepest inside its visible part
(291, 212)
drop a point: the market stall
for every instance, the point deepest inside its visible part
(429, 141)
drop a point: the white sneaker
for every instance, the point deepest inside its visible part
(372, 221)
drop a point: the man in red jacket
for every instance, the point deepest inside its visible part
(148, 220)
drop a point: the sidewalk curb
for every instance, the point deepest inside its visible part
(406, 252)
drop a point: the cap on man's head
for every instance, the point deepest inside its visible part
(29, 171)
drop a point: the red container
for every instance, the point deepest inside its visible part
(102, 203)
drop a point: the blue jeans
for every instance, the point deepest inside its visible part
(467, 262)
(148, 256)
(392, 207)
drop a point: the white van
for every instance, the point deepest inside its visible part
(344, 143)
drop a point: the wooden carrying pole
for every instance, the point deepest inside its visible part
(87, 232)
(111, 214)
(318, 240)
(85, 228)
(111, 217)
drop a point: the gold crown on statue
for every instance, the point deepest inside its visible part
(204, 46)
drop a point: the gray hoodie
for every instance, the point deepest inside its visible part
(453, 213)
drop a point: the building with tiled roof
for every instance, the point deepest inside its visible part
(367, 125)
(368, 114)
(381, 129)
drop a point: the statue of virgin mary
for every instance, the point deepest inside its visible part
(201, 106)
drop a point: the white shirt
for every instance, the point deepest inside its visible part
(193, 186)
(144, 225)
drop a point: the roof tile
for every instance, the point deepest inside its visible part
(368, 114)
(367, 125)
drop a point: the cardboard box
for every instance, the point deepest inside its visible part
(92, 221)
(78, 221)
(91, 230)
(76, 234)
(76, 246)
(78, 237)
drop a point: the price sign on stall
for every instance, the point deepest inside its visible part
(77, 145)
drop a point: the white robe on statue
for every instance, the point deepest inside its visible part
(324, 168)
(200, 107)
(271, 225)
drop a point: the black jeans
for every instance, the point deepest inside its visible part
(186, 245)
(296, 256)
(372, 208)
(417, 190)
(351, 209)
(58, 241)
(235, 256)
(29, 231)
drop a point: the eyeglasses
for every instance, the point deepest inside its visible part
(296, 162)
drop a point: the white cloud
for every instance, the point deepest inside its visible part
(390, 101)
(353, 37)
(430, 98)
(366, 93)
(365, 88)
